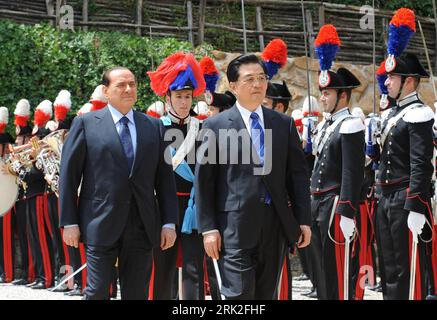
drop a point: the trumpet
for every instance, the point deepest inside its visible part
(45, 154)
(20, 159)
(48, 159)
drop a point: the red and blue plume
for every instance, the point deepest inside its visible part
(210, 73)
(274, 56)
(174, 72)
(401, 29)
(326, 46)
(381, 76)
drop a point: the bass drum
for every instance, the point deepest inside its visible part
(8, 190)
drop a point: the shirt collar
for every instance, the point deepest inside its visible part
(245, 113)
(177, 120)
(412, 97)
(337, 114)
(117, 115)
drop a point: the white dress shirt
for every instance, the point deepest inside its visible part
(116, 116)
(245, 114)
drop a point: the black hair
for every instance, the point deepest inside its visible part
(348, 94)
(234, 66)
(284, 102)
(105, 77)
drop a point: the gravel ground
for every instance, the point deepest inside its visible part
(11, 292)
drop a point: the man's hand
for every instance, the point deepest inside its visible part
(305, 237)
(72, 236)
(168, 238)
(212, 243)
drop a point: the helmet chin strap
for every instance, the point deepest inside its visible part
(173, 109)
(339, 91)
(403, 78)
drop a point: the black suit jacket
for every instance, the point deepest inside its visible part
(228, 195)
(93, 152)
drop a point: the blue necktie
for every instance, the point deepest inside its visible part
(257, 135)
(126, 141)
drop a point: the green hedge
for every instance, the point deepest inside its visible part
(36, 62)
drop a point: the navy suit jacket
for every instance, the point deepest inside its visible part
(93, 155)
(228, 195)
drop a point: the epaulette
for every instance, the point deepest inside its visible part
(352, 125)
(419, 114)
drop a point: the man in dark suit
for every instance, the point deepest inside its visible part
(247, 218)
(117, 214)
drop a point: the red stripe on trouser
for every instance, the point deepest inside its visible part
(362, 260)
(7, 247)
(417, 295)
(43, 240)
(83, 261)
(179, 257)
(339, 255)
(372, 206)
(152, 281)
(30, 270)
(283, 293)
(111, 289)
(206, 288)
(46, 214)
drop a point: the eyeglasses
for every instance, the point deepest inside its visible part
(252, 79)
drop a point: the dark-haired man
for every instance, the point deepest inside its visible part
(336, 182)
(250, 209)
(277, 97)
(404, 177)
(119, 154)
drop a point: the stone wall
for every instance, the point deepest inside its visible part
(294, 73)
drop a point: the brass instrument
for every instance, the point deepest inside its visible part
(45, 154)
(20, 160)
(48, 158)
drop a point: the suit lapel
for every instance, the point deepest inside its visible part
(140, 125)
(109, 135)
(236, 119)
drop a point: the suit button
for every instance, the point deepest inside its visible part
(388, 152)
(388, 162)
(386, 181)
(323, 164)
(320, 172)
(319, 181)
(318, 189)
(390, 143)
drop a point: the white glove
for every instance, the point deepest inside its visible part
(416, 221)
(347, 226)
